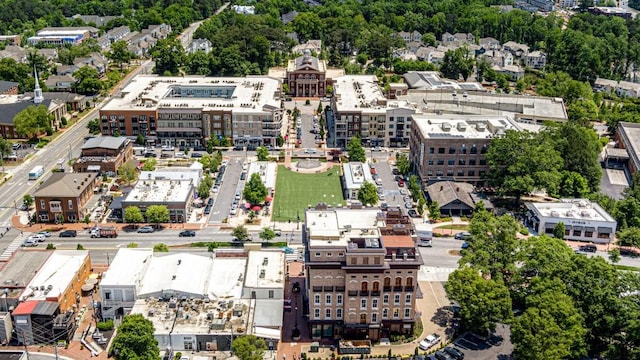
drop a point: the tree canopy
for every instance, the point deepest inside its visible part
(157, 214)
(134, 340)
(368, 193)
(356, 151)
(32, 120)
(248, 347)
(255, 192)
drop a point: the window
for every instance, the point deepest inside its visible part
(451, 162)
(316, 313)
(339, 299)
(449, 172)
(365, 261)
(271, 294)
(374, 303)
(354, 261)
(316, 299)
(471, 173)
(327, 299)
(107, 295)
(431, 150)
(577, 232)
(407, 299)
(452, 150)
(462, 162)
(430, 161)
(439, 173)
(441, 150)
(317, 254)
(385, 313)
(460, 172)
(396, 299)
(472, 162)
(385, 299)
(440, 161)
(42, 206)
(327, 314)
(374, 318)
(588, 233)
(363, 318)
(329, 254)
(483, 161)
(407, 313)
(363, 303)
(338, 313)
(463, 149)
(396, 313)
(70, 204)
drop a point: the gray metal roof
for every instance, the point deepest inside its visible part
(446, 192)
(105, 142)
(22, 268)
(64, 185)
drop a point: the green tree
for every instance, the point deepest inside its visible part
(629, 237)
(267, 234)
(32, 120)
(248, 347)
(157, 214)
(79, 247)
(559, 230)
(483, 302)
(521, 161)
(551, 326)
(368, 193)
(149, 164)
(457, 62)
(135, 340)
(87, 81)
(203, 190)
(434, 210)
(240, 232)
(119, 53)
(403, 164)
(140, 139)
(94, 126)
(254, 191)
(356, 151)
(573, 185)
(169, 56)
(279, 141)
(262, 153)
(133, 215)
(28, 201)
(614, 255)
(5, 148)
(128, 173)
(161, 247)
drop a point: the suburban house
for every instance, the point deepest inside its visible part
(536, 59)
(62, 197)
(104, 154)
(620, 88)
(203, 45)
(8, 87)
(60, 82)
(454, 198)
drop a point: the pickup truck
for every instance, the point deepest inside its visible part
(104, 232)
(354, 347)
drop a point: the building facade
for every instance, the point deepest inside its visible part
(453, 147)
(104, 154)
(583, 220)
(62, 197)
(188, 111)
(306, 76)
(361, 273)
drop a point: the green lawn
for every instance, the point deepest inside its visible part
(296, 191)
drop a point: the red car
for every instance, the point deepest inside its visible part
(401, 183)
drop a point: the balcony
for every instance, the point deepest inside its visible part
(397, 288)
(352, 293)
(409, 288)
(328, 288)
(386, 288)
(375, 293)
(364, 293)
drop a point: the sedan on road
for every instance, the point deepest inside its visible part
(187, 233)
(429, 341)
(145, 230)
(462, 236)
(45, 233)
(69, 233)
(408, 205)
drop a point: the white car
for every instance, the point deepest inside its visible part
(309, 151)
(378, 181)
(429, 341)
(38, 237)
(233, 211)
(215, 189)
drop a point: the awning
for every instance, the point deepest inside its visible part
(605, 230)
(267, 333)
(589, 228)
(578, 228)
(178, 129)
(549, 225)
(93, 168)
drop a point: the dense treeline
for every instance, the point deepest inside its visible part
(28, 16)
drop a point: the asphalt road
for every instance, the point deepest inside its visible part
(230, 185)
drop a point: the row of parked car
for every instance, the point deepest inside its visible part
(448, 353)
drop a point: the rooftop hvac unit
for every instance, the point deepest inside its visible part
(462, 126)
(585, 213)
(554, 213)
(446, 126)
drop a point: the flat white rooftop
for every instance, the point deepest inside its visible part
(251, 94)
(356, 174)
(55, 275)
(574, 209)
(160, 191)
(463, 126)
(265, 269)
(361, 93)
(335, 227)
(127, 267)
(193, 174)
(267, 172)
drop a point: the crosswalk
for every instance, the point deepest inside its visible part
(432, 273)
(12, 248)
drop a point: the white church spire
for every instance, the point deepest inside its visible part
(37, 92)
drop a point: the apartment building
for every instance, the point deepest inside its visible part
(187, 111)
(452, 147)
(59, 36)
(361, 273)
(359, 108)
(104, 154)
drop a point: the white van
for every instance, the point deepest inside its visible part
(424, 237)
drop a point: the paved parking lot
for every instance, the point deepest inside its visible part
(498, 346)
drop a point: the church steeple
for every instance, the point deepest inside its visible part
(37, 92)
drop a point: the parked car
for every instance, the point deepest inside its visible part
(210, 202)
(234, 210)
(309, 151)
(243, 175)
(45, 233)
(238, 195)
(412, 213)
(145, 229)
(187, 233)
(441, 355)
(196, 155)
(150, 154)
(588, 248)
(408, 205)
(69, 233)
(215, 189)
(462, 236)
(376, 148)
(207, 210)
(378, 181)
(454, 352)
(30, 242)
(429, 341)
(465, 245)
(395, 171)
(16, 146)
(401, 183)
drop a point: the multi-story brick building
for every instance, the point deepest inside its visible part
(63, 196)
(361, 273)
(307, 76)
(452, 147)
(104, 154)
(187, 111)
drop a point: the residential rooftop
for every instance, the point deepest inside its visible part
(65, 184)
(105, 142)
(249, 94)
(361, 93)
(160, 191)
(336, 227)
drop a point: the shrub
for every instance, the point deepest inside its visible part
(105, 325)
(524, 231)
(63, 121)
